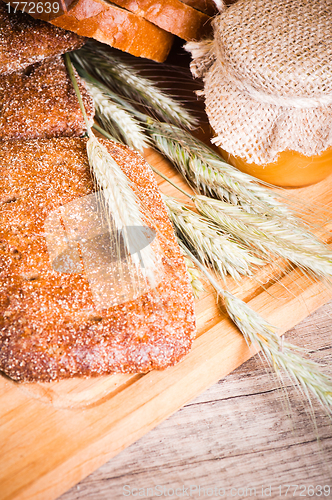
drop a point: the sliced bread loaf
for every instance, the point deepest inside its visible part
(171, 15)
(206, 6)
(117, 27)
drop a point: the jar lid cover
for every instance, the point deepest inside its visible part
(278, 47)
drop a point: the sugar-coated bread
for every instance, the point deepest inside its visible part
(25, 40)
(41, 103)
(50, 328)
(117, 27)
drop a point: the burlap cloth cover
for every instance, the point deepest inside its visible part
(268, 77)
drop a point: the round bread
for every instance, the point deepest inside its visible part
(50, 326)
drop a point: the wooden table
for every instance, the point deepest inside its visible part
(237, 434)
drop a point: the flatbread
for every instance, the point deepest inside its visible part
(41, 103)
(25, 40)
(50, 327)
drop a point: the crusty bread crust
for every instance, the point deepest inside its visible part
(42, 103)
(49, 326)
(117, 27)
(25, 40)
(171, 15)
(206, 6)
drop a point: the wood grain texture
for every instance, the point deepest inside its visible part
(234, 435)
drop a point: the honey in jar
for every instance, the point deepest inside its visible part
(268, 88)
(290, 170)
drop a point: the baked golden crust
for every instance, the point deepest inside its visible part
(42, 103)
(171, 15)
(118, 28)
(49, 325)
(25, 40)
(206, 6)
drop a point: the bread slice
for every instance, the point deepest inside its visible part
(50, 328)
(117, 27)
(207, 6)
(41, 103)
(25, 40)
(171, 15)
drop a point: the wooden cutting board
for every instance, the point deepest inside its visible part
(54, 434)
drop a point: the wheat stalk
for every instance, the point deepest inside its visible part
(194, 277)
(208, 174)
(122, 205)
(281, 356)
(123, 78)
(205, 171)
(254, 328)
(115, 119)
(212, 246)
(267, 236)
(264, 219)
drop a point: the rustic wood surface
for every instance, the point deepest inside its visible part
(237, 434)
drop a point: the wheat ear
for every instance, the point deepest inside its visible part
(268, 236)
(281, 356)
(116, 120)
(292, 239)
(124, 78)
(194, 276)
(122, 205)
(212, 246)
(260, 229)
(208, 174)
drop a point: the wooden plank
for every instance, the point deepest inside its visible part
(236, 434)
